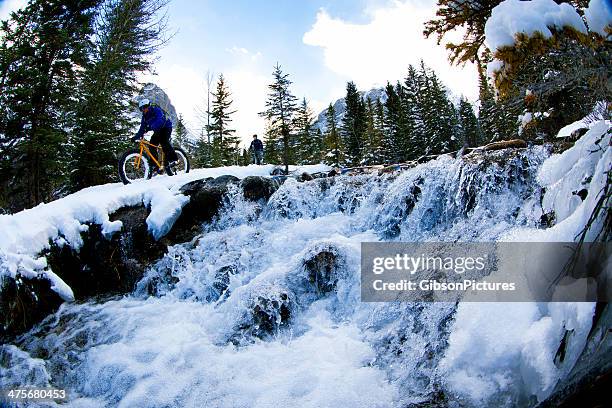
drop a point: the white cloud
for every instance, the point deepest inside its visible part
(7, 6)
(372, 53)
(186, 88)
(243, 52)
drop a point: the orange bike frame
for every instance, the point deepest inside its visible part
(144, 148)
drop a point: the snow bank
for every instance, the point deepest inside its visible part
(582, 167)
(504, 354)
(25, 234)
(514, 16)
(571, 128)
(599, 15)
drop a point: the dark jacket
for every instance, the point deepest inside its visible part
(256, 145)
(155, 119)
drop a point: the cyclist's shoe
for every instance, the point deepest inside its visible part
(156, 171)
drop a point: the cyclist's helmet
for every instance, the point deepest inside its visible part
(142, 103)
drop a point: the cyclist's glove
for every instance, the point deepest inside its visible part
(135, 138)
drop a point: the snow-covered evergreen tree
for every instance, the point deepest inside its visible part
(181, 135)
(394, 125)
(416, 145)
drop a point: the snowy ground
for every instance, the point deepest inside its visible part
(25, 234)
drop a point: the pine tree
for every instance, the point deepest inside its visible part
(181, 135)
(373, 136)
(496, 119)
(318, 146)
(280, 109)
(333, 142)
(393, 126)
(245, 158)
(273, 147)
(353, 126)
(439, 116)
(224, 142)
(202, 155)
(562, 74)
(127, 32)
(305, 151)
(43, 50)
(384, 153)
(486, 113)
(416, 144)
(468, 123)
(470, 16)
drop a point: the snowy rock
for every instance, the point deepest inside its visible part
(206, 198)
(222, 280)
(106, 264)
(267, 313)
(106, 267)
(257, 188)
(305, 177)
(24, 302)
(322, 269)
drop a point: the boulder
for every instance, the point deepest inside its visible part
(321, 269)
(108, 266)
(206, 198)
(222, 281)
(24, 302)
(305, 177)
(277, 171)
(267, 313)
(257, 188)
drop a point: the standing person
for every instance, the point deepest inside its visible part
(155, 119)
(256, 150)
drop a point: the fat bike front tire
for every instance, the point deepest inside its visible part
(134, 167)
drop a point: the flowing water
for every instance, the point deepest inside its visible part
(236, 318)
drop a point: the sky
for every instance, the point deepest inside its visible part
(321, 44)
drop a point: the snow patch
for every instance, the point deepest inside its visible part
(599, 16)
(512, 17)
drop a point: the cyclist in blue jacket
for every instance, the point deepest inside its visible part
(154, 119)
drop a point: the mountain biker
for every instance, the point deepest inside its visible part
(256, 150)
(154, 118)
